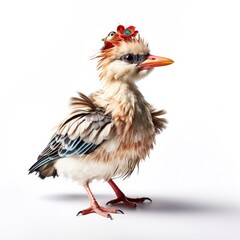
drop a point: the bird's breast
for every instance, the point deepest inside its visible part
(134, 135)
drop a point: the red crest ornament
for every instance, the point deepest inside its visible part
(121, 34)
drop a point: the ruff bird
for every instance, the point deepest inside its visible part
(109, 132)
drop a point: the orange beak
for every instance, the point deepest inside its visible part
(155, 61)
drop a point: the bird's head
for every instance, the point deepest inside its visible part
(126, 56)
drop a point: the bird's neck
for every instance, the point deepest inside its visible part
(123, 94)
(123, 101)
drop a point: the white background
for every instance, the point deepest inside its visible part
(193, 172)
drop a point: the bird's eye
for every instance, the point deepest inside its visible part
(111, 34)
(128, 58)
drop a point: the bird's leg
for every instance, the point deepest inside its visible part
(131, 202)
(95, 207)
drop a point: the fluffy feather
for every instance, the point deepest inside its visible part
(108, 133)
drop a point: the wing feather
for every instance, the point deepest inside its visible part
(158, 122)
(81, 133)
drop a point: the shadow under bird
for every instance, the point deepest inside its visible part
(109, 132)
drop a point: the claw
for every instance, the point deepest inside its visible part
(109, 216)
(79, 213)
(117, 200)
(120, 211)
(149, 199)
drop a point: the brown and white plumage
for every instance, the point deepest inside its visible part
(109, 132)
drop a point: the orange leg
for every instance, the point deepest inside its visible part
(131, 202)
(96, 208)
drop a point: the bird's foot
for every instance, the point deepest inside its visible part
(130, 202)
(102, 211)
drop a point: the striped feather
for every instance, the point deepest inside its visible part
(81, 133)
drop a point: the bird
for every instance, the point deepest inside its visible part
(110, 131)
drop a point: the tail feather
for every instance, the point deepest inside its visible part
(41, 163)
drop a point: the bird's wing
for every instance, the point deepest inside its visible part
(158, 122)
(81, 133)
